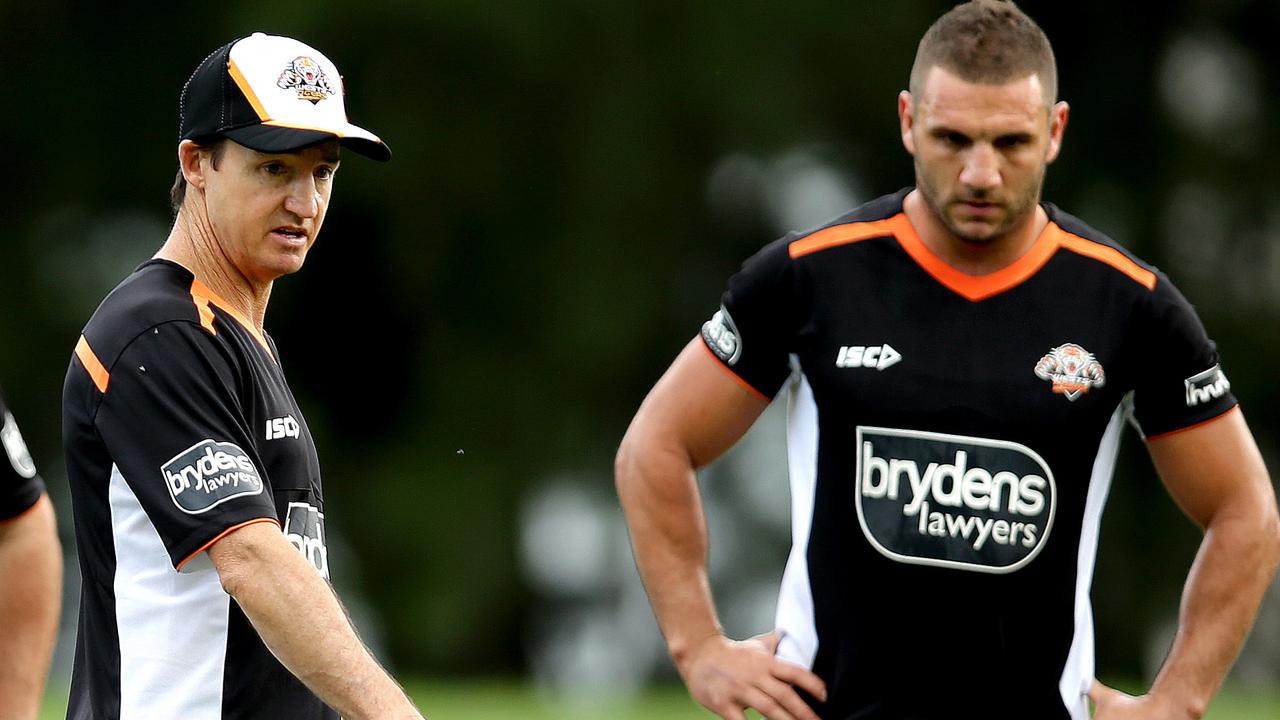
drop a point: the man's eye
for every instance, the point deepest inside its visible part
(273, 168)
(324, 173)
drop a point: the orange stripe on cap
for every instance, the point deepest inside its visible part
(839, 235)
(249, 95)
(97, 372)
(223, 534)
(204, 297)
(1110, 256)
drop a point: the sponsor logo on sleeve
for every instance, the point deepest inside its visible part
(953, 501)
(304, 528)
(208, 474)
(1206, 386)
(16, 448)
(1072, 370)
(283, 427)
(722, 337)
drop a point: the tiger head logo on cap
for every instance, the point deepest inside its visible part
(308, 77)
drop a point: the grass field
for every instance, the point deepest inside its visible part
(513, 700)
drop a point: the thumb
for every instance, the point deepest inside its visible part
(770, 641)
(1099, 693)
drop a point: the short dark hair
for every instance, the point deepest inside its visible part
(989, 42)
(217, 146)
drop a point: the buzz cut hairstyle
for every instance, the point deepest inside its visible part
(989, 42)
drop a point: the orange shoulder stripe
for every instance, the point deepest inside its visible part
(202, 296)
(223, 534)
(1110, 256)
(97, 372)
(839, 235)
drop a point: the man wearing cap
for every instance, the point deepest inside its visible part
(196, 487)
(30, 576)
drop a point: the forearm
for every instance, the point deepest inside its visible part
(269, 584)
(1235, 564)
(659, 494)
(30, 596)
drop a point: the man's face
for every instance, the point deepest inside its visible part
(981, 150)
(266, 209)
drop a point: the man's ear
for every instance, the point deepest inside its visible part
(191, 159)
(1058, 115)
(906, 120)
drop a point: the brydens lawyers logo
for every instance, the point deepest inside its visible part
(721, 335)
(1072, 370)
(953, 501)
(208, 474)
(305, 75)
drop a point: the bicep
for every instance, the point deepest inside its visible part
(698, 408)
(1213, 467)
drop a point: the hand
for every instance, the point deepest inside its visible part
(1111, 704)
(727, 677)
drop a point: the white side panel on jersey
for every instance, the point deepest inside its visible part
(1077, 674)
(795, 616)
(173, 626)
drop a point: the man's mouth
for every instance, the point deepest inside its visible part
(291, 233)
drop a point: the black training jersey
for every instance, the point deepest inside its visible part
(951, 443)
(20, 485)
(179, 427)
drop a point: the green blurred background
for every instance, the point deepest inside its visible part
(573, 183)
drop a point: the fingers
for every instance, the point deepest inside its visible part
(771, 707)
(788, 699)
(793, 674)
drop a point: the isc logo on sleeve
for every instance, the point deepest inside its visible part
(208, 474)
(283, 427)
(953, 501)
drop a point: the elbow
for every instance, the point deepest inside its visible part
(624, 466)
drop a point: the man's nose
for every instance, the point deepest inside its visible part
(303, 200)
(981, 167)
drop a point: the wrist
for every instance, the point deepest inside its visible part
(684, 648)
(1180, 702)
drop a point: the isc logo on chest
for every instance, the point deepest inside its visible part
(283, 427)
(867, 356)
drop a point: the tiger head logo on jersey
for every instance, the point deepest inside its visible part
(307, 77)
(1072, 370)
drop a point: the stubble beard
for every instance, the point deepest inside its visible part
(1017, 209)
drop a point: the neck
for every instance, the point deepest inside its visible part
(973, 258)
(193, 245)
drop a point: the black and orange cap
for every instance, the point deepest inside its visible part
(271, 94)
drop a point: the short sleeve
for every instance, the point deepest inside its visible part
(173, 424)
(1180, 379)
(20, 484)
(752, 331)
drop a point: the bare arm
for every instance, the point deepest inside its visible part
(694, 414)
(30, 594)
(1216, 475)
(269, 580)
